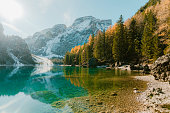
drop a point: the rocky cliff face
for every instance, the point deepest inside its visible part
(56, 41)
(14, 50)
(161, 68)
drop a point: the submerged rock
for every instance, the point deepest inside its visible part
(135, 89)
(114, 94)
(100, 103)
(146, 69)
(87, 100)
(58, 104)
(47, 97)
(161, 68)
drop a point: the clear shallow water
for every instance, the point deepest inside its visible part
(24, 91)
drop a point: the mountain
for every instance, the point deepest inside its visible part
(56, 41)
(14, 50)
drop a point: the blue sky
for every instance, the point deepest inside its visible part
(40, 14)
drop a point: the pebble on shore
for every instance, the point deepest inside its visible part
(156, 95)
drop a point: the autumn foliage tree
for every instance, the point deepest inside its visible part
(119, 43)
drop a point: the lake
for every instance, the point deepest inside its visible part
(67, 90)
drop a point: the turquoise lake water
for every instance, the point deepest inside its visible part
(32, 90)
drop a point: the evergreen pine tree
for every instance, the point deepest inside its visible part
(83, 55)
(156, 48)
(147, 39)
(109, 44)
(88, 52)
(91, 45)
(120, 42)
(66, 58)
(133, 41)
(99, 46)
(80, 55)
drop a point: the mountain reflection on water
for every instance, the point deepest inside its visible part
(23, 90)
(45, 87)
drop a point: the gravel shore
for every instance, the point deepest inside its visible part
(117, 100)
(156, 99)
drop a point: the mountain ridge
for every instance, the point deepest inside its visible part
(55, 41)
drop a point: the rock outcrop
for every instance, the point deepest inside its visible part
(161, 68)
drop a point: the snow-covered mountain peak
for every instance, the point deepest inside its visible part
(59, 26)
(86, 19)
(57, 40)
(90, 21)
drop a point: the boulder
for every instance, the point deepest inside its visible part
(136, 67)
(118, 64)
(114, 94)
(132, 67)
(161, 68)
(146, 69)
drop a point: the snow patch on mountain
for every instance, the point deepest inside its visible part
(42, 61)
(16, 60)
(43, 65)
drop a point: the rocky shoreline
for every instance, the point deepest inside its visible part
(154, 99)
(157, 96)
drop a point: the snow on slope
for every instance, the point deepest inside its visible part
(42, 61)
(16, 60)
(43, 65)
(48, 48)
